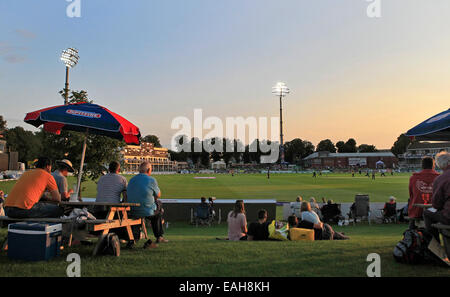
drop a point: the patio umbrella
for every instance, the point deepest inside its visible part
(436, 128)
(84, 117)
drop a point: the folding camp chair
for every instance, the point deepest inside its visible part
(361, 208)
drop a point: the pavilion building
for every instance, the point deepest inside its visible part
(134, 155)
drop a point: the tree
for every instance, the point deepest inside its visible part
(350, 146)
(297, 149)
(326, 146)
(346, 147)
(340, 146)
(25, 142)
(100, 151)
(366, 148)
(2, 125)
(309, 148)
(152, 139)
(400, 145)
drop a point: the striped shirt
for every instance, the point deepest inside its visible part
(109, 188)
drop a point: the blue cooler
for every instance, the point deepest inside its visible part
(34, 241)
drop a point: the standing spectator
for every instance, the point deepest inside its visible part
(27, 199)
(421, 188)
(143, 189)
(60, 176)
(441, 196)
(237, 222)
(109, 189)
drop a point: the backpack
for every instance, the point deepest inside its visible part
(413, 248)
(110, 245)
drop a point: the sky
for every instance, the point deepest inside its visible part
(350, 75)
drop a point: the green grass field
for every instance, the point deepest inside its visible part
(196, 252)
(282, 187)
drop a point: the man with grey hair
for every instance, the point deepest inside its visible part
(440, 213)
(143, 189)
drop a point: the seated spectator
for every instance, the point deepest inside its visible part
(109, 189)
(202, 211)
(315, 207)
(295, 206)
(143, 189)
(237, 222)
(60, 176)
(2, 199)
(421, 189)
(27, 199)
(294, 222)
(259, 230)
(440, 213)
(331, 212)
(390, 208)
(321, 231)
(307, 214)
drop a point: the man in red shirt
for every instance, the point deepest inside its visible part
(440, 213)
(421, 188)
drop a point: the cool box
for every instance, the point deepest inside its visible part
(34, 241)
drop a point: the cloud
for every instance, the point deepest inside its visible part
(12, 54)
(25, 33)
(13, 59)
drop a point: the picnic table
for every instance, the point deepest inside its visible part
(117, 217)
(424, 206)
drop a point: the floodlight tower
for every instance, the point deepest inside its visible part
(281, 90)
(70, 59)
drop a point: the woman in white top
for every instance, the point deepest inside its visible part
(237, 222)
(307, 214)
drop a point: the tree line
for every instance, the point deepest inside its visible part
(101, 150)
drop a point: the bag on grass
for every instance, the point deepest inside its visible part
(413, 248)
(278, 234)
(297, 234)
(110, 245)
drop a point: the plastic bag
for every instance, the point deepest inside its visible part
(278, 234)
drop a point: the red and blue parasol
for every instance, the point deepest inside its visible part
(84, 117)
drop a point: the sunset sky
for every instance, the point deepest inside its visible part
(153, 60)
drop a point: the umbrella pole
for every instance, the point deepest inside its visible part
(80, 173)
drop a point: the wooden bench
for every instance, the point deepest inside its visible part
(117, 217)
(72, 223)
(418, 222)
(445, 231)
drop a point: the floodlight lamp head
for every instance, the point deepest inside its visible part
(280, 89)
(70, 57)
